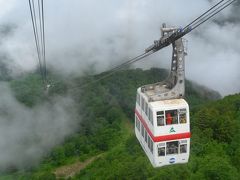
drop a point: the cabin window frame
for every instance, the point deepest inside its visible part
(178, 121)
(137, 122)
(174, 149)
(159, 147)
(148, 142)
(162, 115)
(145, 136)
(180, 112)
(180, 149)
(151, 145)
(150, 115)
(142, 130)
(138, 98)
(142, 103)
(183, 143)
(172, 116)
(146, 108)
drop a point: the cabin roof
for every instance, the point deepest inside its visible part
(172, 103)
(164, 104)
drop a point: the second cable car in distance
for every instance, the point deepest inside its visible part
(162, 123)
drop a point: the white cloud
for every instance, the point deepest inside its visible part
(6, 7)
(105, 33)
(28, 134)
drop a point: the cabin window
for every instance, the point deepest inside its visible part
(161, 151)
(138, 99)
(150, 115)
(160, 118)
(142, 103)
(160, 113)
(137, 123)
(146, 109)
(183, 148)
(182, 116)
(183, 141)
(151, 145)
(145, 135)
(172, 147)
(171, 117)
(142, 130)
(160, 121)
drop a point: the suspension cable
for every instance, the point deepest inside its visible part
(216, 11)
(34, 25)
(41, 34)
(44, 44)
(114, 70)
(37, 16)
(203, 14)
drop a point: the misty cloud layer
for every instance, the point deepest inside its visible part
(26, 135)
(97, 35)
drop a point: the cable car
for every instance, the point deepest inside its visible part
(163, 129)
(162, 123)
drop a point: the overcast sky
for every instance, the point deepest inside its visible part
(103, 33)
(97, 35)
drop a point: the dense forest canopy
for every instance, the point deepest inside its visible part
(106, 130)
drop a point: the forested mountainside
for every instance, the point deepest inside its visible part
(105, 112)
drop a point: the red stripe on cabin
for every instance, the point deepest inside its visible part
(165, 137)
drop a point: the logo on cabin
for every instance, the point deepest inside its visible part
(172, 130)
(172, 160)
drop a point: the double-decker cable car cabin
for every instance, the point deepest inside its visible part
(163, 129)
(162, 123)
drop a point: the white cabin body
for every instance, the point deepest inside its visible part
(163, 129)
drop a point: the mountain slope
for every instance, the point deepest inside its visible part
(106, 108)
